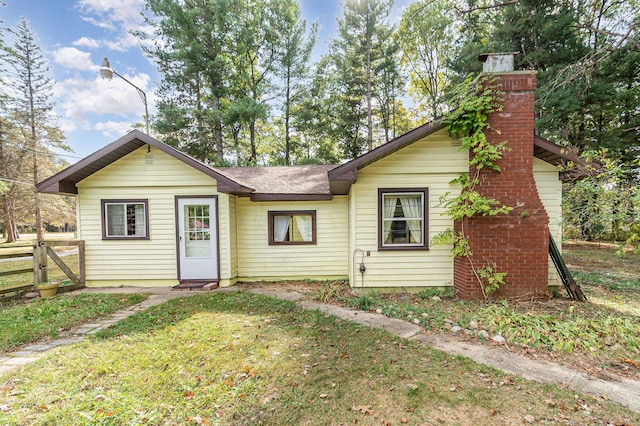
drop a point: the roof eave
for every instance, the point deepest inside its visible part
(559, 156)
(344, 175)
(64, 182)
(290, 197)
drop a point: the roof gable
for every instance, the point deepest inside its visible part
(270, 183)
(64, 182)
(341, 178)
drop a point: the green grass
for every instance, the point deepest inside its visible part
(23, 323)
(601, 334)
(614, 281)
(604, 333)
(25, 245)
(235, 358)
(588, 257)
(54, 272)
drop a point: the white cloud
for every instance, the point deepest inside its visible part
(122, 44)
(73, 58)
(87, 42)
(82, 99)
(112, 13)
(67, 126)
(113, 129)
(107, 25)
(118, 16)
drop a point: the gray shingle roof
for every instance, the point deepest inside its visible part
(294, 180)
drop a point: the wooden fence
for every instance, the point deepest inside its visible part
(42, 251)
(17, 290)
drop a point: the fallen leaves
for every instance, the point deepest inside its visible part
(364, 409)
(199, 420)
(629, 361)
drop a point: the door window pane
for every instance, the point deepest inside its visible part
(197, 231)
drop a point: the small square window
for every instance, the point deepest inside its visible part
(403, 218)
(125, 219)
(292, 227)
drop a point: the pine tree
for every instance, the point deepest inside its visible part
(33, 110)
(294, 69)
(363, 35)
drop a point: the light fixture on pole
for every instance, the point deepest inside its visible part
(107, 72)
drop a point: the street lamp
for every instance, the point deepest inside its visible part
(107, 72)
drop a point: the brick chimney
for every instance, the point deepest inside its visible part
(517, 243)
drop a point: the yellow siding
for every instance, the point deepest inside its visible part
(550, 190)
(432, 162)
(326, 259)
(344, 225)
(230, 250)
(224, 235)
(144, 262)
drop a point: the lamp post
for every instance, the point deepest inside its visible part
(107, 72)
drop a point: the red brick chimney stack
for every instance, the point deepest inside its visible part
(517, 243)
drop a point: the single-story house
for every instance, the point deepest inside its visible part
(151, 215)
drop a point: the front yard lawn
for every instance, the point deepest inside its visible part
(22, 323)
(602, 336)
(236, 358)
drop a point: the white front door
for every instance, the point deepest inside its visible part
(197, 239)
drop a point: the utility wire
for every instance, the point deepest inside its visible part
(49, 153)
(16, 181)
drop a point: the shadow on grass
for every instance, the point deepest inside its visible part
(176, 310)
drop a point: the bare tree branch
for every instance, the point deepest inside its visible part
(488, 7)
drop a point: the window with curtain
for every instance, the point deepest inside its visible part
(125, 219)
(403, 218)
(292, 227)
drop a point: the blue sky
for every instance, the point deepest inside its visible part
(75, 35)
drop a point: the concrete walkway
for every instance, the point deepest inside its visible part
(30, 353)
(625, 392)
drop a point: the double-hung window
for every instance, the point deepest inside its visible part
(125, 219)
(402, 218)
(292, 227)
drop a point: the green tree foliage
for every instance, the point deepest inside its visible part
(364, 59)
(294, 72)
(605, 204)
(221, 63)
(427, 34)
(191, 46)
(315, 118)
(586, 54)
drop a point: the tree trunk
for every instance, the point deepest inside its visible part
(10, 227)
(369, 112)
(36, 195)
(287, 109)
(252, 134)
(217, 123)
